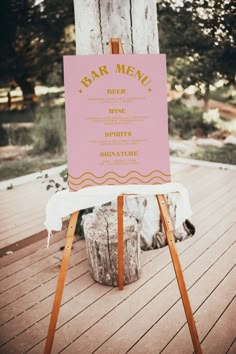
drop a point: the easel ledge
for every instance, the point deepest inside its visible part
(115, 47)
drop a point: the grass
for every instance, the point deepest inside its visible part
(224, 94)
(49, 133)
(16, 168)
(14, 135)
(186, 122)
(46, 141)
(225, 154)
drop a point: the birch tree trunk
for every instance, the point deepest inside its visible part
(135, 23)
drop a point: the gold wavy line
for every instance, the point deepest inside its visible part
(114, 179)
(120, 176)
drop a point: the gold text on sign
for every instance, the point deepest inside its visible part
(122, 69)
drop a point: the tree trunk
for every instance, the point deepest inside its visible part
(100, 228)
(206, 98)
(28, 91)
(135, 23)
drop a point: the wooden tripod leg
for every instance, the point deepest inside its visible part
(120, 205)
(61, 282)
(168, 227)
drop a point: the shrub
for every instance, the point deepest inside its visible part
(186, 122)
(224, 94)
(49, 132)
(20, 135)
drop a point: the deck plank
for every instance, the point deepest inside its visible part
(30, 259)
(232, 348)
(166, 328)
(22, 208)
(209, 311)
(29, 249)
(16, 260)
(45, 288)
(40, 277)
(223, 333)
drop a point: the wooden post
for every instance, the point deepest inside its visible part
(168, 227)
(134, 21)
(61, 282)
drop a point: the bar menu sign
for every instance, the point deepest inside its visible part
(116, 120)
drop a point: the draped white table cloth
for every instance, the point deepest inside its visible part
(64, 203)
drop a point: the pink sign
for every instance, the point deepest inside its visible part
(116, 118)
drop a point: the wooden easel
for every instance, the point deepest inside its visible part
(115, 47)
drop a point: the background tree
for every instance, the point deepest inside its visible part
(199, 39)
(33, 41)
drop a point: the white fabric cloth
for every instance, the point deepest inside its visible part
(64, 203)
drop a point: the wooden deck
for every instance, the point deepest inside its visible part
(147, 316)
(22, 214)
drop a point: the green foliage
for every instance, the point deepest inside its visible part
(64, 175)
(19, 135)
(15, 168)
(55, 185)
(33, 41)
(49, 132)
(185, 122)
(52, 184)
(199, 40)
(224, 94)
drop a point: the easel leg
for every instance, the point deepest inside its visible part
(115, 47)
(167, 222)
(61, 282)
(120, 205)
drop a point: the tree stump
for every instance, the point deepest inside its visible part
(100, 231)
